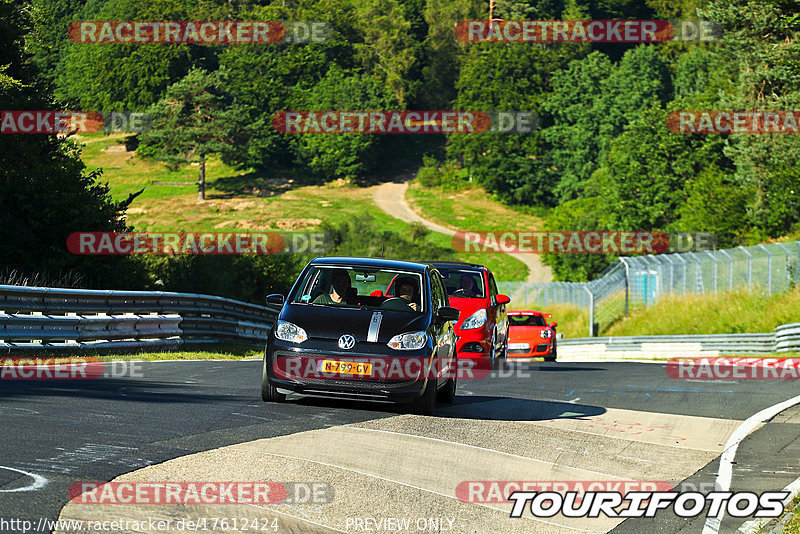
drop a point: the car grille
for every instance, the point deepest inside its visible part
(356, 383)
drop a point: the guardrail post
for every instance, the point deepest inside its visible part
(591, 310)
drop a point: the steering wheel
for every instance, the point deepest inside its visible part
(459, 292)
(396, 303)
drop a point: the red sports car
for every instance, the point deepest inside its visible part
(482, 327)
(530, 335)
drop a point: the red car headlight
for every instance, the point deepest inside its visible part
(546, 334)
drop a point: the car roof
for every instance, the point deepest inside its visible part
(524, 312)
(456, 264)
(371, 263)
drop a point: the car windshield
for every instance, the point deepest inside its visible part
(526, 320)
(463, 283)
(354, 287)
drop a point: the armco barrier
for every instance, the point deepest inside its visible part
(785, 338)
(55, 318)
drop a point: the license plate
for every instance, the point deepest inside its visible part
(346, 368)
(518, 346)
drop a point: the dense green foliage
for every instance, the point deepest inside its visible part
(601, 158)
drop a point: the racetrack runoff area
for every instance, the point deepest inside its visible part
(610, 422)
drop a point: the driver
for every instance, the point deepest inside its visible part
(468, 286)
(340, 286)
(406, 289)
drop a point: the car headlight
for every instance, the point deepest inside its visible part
(546, 334)
(476, 320)
(290, 332)
(410, 341)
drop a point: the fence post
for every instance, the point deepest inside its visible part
(714, 259)
(730, 268)
(591, 310)
(749, 268)
(685, 270)
(627, 282)
(788, 265)
(769, 268)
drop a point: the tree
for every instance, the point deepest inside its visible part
(195, 119)
(131, 77)
(45, 192)
(509, 78)
(342, 155)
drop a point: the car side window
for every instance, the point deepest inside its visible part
(492, 288)
(437, 292)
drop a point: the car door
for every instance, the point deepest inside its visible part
(499, 313)
(444, 334)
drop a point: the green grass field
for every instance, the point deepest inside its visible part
(720, 313)
(245, 201)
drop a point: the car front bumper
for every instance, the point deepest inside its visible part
(294, 368)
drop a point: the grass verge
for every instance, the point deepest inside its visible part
(718, 313)
(187, 351)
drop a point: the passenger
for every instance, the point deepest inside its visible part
(340, 288)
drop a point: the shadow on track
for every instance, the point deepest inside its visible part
(113, 389)
(468, 407)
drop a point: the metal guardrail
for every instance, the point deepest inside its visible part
(56, 318)
(785, 338)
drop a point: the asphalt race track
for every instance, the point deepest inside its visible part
(204, 421)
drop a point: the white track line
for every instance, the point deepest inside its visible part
(38, 481)
(723, 481)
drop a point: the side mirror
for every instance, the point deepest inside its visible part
(376, 293)
(448, 313)
(276, 299)
(502, 299)
(553, 324)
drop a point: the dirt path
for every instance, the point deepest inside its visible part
(391, 198)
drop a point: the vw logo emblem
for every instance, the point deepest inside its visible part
(347, 342)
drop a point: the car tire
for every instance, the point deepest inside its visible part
(426, 403)
(448, 393)
(269, 393)
(493, 358)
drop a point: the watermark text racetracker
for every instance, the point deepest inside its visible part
(261, 243)
(733, 368)
(198, 32)
(582, 242)
(201, 492)
(586, 31)
(66, 368)
(404, 122)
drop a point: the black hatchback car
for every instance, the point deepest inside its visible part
(363, 328)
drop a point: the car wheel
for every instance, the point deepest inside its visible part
(448, 393)
(269, 393)
(492, 349)
(426, 404)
